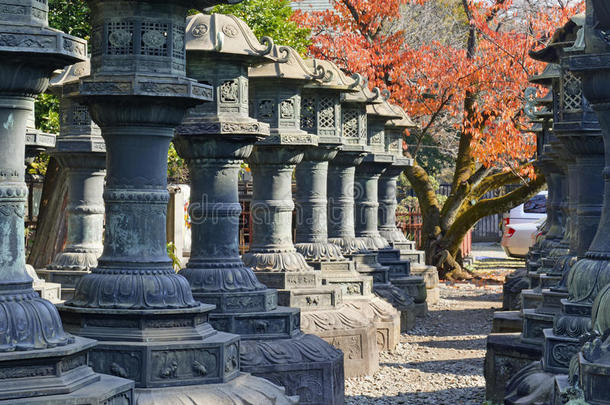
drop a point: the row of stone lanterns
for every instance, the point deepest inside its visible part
(571, 298)
(142, 314)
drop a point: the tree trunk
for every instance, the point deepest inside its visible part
(51, 228)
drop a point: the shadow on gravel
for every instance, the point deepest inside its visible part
(464, 344)
(492, 297)
(467, 367)
(452, 396)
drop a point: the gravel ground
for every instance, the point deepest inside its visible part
(440, 361)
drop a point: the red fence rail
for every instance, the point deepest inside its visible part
(411, 223)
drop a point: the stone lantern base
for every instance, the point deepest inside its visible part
(59, 376)
(366, 264)
(324, 314)
(357, 294)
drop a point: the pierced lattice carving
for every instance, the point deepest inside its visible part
(308, 113)
(154, 39)
(571, 93)
(326, 112)
(120, 38)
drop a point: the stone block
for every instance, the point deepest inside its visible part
(311, 299)
(530, 299)
(429, 273)
(558, 350)
(505, 356)
(108, 390)
(534, 324)
(283, 280)
(349, 331)
(507, 322)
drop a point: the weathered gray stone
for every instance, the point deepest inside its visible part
(149, 327)
(39, 362)
(341, 204)
(505, 356)
(276, 97)
(80, 150)
(214, 139)
(321, 115)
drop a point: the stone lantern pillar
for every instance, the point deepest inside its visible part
(340, 191)
(37, 142)
(388, 188)
(589, 370)
(589, 275)
(276, 100)
(40, 363)
(80, 150)
(149, 327)
(366, 189)
(321, 115)
(214, 139)
(576, 126)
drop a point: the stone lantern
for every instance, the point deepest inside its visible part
(276, 99)
(366, 189)
(394, 130)
(80, 150)
(40, 363)
(589, 370)
(340, 191)
(148, 325)
(214, 139)
(576, 126)
(589, 275)
(321, 115)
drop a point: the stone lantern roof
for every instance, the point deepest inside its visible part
(383, 110)
(24, 30)
(334, 78)
(228, 36)
(78, 133)
(363, 93)
(551, 72)
(287, 65)
(570, 37)
(404, 122)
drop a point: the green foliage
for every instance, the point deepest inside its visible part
(406, 201)
(70, 16)
(270, 18)
(47, 113)
(171, 252)
(177, 171)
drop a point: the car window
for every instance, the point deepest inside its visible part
(536, 205)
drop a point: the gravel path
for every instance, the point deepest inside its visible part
(439, 362)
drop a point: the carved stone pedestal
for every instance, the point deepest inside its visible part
(80, 150)
(39, 362)
(506, 355)
(148, 325)
(276, 97)
(214, 139)
(341, 232)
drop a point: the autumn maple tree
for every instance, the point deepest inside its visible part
(473, 78)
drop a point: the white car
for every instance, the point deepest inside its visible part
(532, 210)
(520, 225)
(518, 238)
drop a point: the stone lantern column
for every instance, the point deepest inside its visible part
(149, 327)
(214, 139)
(577, 127)
(41, 364)
(340, 191)
(80, 150)
(321, 115)
(589, 370)
(589, 275)
(388, 188)
(276, 100)
(37, 142)
(366, 189)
